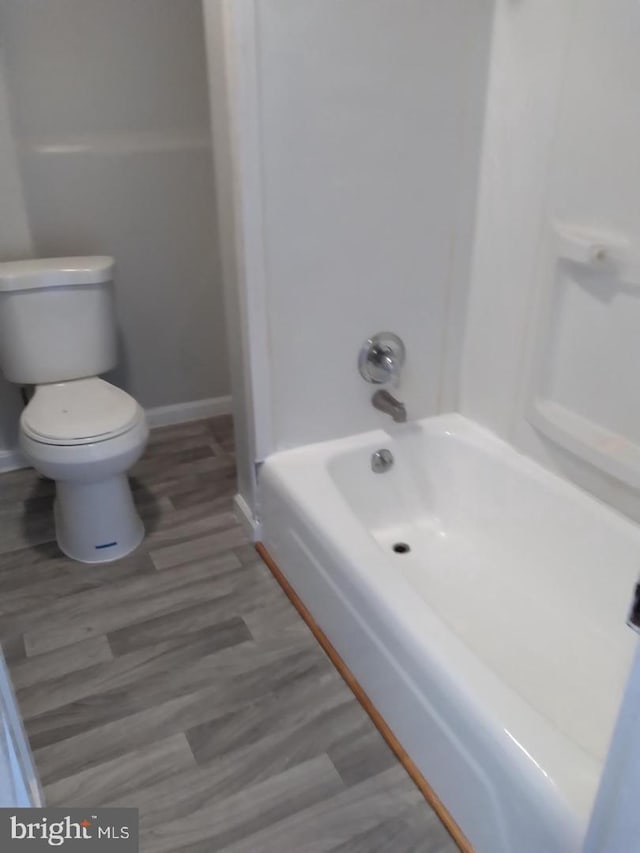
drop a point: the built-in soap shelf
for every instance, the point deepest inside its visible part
(601, 251)
(608, 451)
(585, 394)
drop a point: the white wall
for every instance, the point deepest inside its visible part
(15, 242)
(369, 119)
(109, 104)
(561, 144)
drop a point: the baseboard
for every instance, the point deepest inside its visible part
(249, 523)
(11, 460)
(195, 410)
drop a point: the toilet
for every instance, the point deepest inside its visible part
(58, 333)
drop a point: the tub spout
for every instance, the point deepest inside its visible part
(388, 404)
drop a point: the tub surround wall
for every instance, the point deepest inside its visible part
(370, 124)
(227, 86)
(529, 42)
(559, 147)
(110, 116)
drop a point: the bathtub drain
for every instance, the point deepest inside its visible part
(401, 548)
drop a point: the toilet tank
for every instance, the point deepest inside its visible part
(57, 319)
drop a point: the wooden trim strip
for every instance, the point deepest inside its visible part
(421, 783)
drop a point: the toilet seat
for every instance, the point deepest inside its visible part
(79, 412)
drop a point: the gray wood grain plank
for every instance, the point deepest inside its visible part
(196, 549)
(288, 709)
(414, 831)
(161, 480)
(220, 484)
(188, 524)
(362, 755)
(221, 425)
(106, 609)
(12, 565)
(83, 734)
(36, 587)
(118, 778)
(13, 648)
(279, 618)
(165, 447)
(29, 531)
(139, 669)
(179, 432)
(247, 811)
(210, 613)
(246, 553)
(236, 769)
(255, 597)
(33, 672)
(327, 823)
(240, 672)
(33, 567)
(159, 462)
(96, 742)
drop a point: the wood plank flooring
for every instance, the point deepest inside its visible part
(182, 682)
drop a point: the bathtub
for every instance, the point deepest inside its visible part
(494, 645)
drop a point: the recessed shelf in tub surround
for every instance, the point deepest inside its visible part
(587, 335)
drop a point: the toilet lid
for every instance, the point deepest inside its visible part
(79, 412)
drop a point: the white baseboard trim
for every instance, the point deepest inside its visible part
(11, 460)
(249, 523)
(194, 410)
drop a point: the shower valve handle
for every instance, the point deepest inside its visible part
(381, 358)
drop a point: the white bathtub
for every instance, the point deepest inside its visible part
(496, 649)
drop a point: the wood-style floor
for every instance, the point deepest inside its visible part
(181, 681)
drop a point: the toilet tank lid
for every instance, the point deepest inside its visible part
(55, 272)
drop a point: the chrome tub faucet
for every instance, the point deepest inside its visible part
(387, 403)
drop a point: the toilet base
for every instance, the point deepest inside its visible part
(97, 522)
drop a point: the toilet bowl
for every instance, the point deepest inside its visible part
(85, 434)
(58, 334)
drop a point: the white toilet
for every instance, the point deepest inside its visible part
(57, 332)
